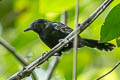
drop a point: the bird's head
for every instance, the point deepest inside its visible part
(37, 25)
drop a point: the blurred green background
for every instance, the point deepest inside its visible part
(16, 15)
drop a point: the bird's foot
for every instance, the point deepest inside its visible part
(43, 54)
(57, 54)
(61, 40)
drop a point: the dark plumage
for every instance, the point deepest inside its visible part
(52, 32)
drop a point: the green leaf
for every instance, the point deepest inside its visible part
(118, 41)
(111, 28)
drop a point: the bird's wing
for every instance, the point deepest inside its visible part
(62, 28)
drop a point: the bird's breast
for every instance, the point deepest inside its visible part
(50, 38)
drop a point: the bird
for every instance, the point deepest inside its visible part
(51, 33)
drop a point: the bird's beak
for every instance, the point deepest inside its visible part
(27, 29)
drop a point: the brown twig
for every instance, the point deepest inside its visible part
(51, 68)
(28, 69)
(75, 42)
(13, 52)
(95, 14)
(109, 71)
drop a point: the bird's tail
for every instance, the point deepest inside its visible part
(101, 46)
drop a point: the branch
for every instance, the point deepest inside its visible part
(109, 71)
(75, 42)
(13, 52)
(26, 71)
(95, 14)
(51, 68)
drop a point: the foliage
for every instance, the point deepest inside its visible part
(16, 15)
(111, 28)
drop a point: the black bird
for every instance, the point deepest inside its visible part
(51, 33)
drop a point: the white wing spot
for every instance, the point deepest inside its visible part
(56, 27)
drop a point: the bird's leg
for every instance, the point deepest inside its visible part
(57, 54)
(60, 40)
(43, 54)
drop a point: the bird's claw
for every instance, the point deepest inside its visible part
(43, 54)
(57, 54)
(60, 40)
